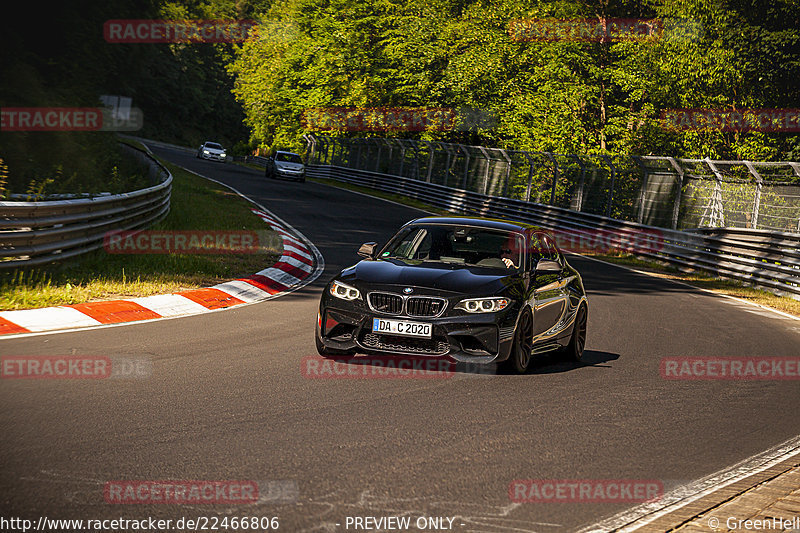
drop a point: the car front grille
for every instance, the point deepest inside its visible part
(386, 302)
(414, 306)
(424, 306)
(405, 345)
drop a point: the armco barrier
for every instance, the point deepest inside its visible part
(34, 233)
(764, 258)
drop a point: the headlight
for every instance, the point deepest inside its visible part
(343, 291)
(206, 152)
(483, 305)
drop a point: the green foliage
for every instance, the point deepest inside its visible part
(3, 179)
(563, 96)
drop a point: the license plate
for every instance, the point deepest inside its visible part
(401, 327)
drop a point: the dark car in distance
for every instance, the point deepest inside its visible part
(470, 289)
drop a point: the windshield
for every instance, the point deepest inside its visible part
(458, 245)
(213, 146)
(289, 158)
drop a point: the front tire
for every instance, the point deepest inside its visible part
(520, 357)
(577, 342)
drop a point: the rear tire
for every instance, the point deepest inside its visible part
(520, 358)
(577, 342)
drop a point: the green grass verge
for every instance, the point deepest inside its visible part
(699, 279)
(197, 204)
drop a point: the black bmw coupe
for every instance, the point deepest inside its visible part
(471, 289)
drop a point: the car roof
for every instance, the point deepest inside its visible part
(492, 223)
(285, 152)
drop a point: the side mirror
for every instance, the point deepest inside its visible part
(546, 265)
(368, 250)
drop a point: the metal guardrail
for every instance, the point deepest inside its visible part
(659, 191)
(35, 233)
(764, 258)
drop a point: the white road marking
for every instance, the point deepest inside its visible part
(641, 515)
(169, 305)
(48, 318)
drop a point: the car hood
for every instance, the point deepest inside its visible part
(439, 276)
(214, 151)
(288, 165)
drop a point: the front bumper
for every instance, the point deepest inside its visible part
(463, 337)
(292, 174)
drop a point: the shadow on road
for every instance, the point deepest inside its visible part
(411, 366)
(550, 364)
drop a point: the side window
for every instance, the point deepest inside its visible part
(552, 249)
(535, 250)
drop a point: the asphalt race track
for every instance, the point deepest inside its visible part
(226, 400)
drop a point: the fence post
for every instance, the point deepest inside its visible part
(676, 209)
(530, 176)
(416, 159)
(431, 153)
(581, 183)
(555, 177)
(717, 216)
(757, 199)
(447, 168)
(358, 155)
(388, 144)
(402, 157)
(486, 171)
(324, 150)
(796, 168)
(466, 166)
(508, 173)
(643, 188)
(613, 183)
